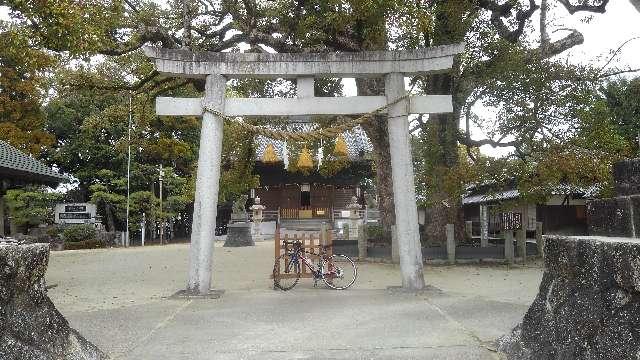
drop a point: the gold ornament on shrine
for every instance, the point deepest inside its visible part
(305, 161)
(269, 156)
(340, 150)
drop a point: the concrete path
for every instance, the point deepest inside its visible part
(118, 299)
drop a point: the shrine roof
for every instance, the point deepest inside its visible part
(18, 167)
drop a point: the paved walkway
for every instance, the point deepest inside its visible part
(118, 299)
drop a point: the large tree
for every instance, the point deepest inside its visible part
(497, 32)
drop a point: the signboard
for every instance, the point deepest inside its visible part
(75, 208)
(80, 213)
(511, 221)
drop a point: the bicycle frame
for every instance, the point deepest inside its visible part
(317, 271)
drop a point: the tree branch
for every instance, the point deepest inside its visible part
(143, 35)
(478, 143)
(500, 11)
(584, 6)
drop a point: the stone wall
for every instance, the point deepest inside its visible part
(619, 216)
(626, 175)
(588, 305)
(31, 328)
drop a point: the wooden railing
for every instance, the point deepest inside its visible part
(312, 243)
(305, 213)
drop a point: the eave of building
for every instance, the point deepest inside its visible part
(18, 168)
(562, 190)
(276, 174)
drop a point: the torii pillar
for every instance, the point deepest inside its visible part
(404, 191)
(205, 207)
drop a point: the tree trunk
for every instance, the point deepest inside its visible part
(376, 130)
(443, 135)
(108, 211)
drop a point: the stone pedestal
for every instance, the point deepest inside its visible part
(31, 326)
(587, 306)
(238, 235)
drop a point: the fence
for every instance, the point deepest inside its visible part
(305, 213)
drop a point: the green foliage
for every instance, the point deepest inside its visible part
(81, 245)
(78, 233)
(621, 97)
(22, 84)
(31, 207)
(375, 232)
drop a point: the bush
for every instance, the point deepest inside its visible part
(374, 232)
(89, 244)
(77, 233)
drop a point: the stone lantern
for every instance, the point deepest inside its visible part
(354, 217)
(257, 216)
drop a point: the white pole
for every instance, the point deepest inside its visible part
(144, 225)
(161, 217)
(128, 166)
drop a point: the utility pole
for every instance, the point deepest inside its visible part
(126, 239)
(161, 216)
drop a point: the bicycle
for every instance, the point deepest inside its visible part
(337, 271)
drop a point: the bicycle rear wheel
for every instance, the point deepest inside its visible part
(286, 272)
(339, 272)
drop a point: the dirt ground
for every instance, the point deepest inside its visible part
(116, 297)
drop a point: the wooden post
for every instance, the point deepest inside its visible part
(508, 246)
(409, 247)
(451, 244)
(362, 242)
(539, 239)
(521, 239)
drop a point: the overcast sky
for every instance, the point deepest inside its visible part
(603, 34)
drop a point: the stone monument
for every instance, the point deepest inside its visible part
(239, 230)
(30, 325)
(354, 218)
(238, 211)
(588, 305)
(257, 218)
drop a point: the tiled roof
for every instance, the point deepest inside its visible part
(482, 198)
(20, 167)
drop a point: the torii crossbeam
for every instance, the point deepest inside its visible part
(217, 68)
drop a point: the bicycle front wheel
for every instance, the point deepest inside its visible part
(286, 272)
(339, 272)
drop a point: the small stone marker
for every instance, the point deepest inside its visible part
(239, 235)
(508, 246)
(451, 244)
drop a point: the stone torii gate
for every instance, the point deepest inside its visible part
(216, 68)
